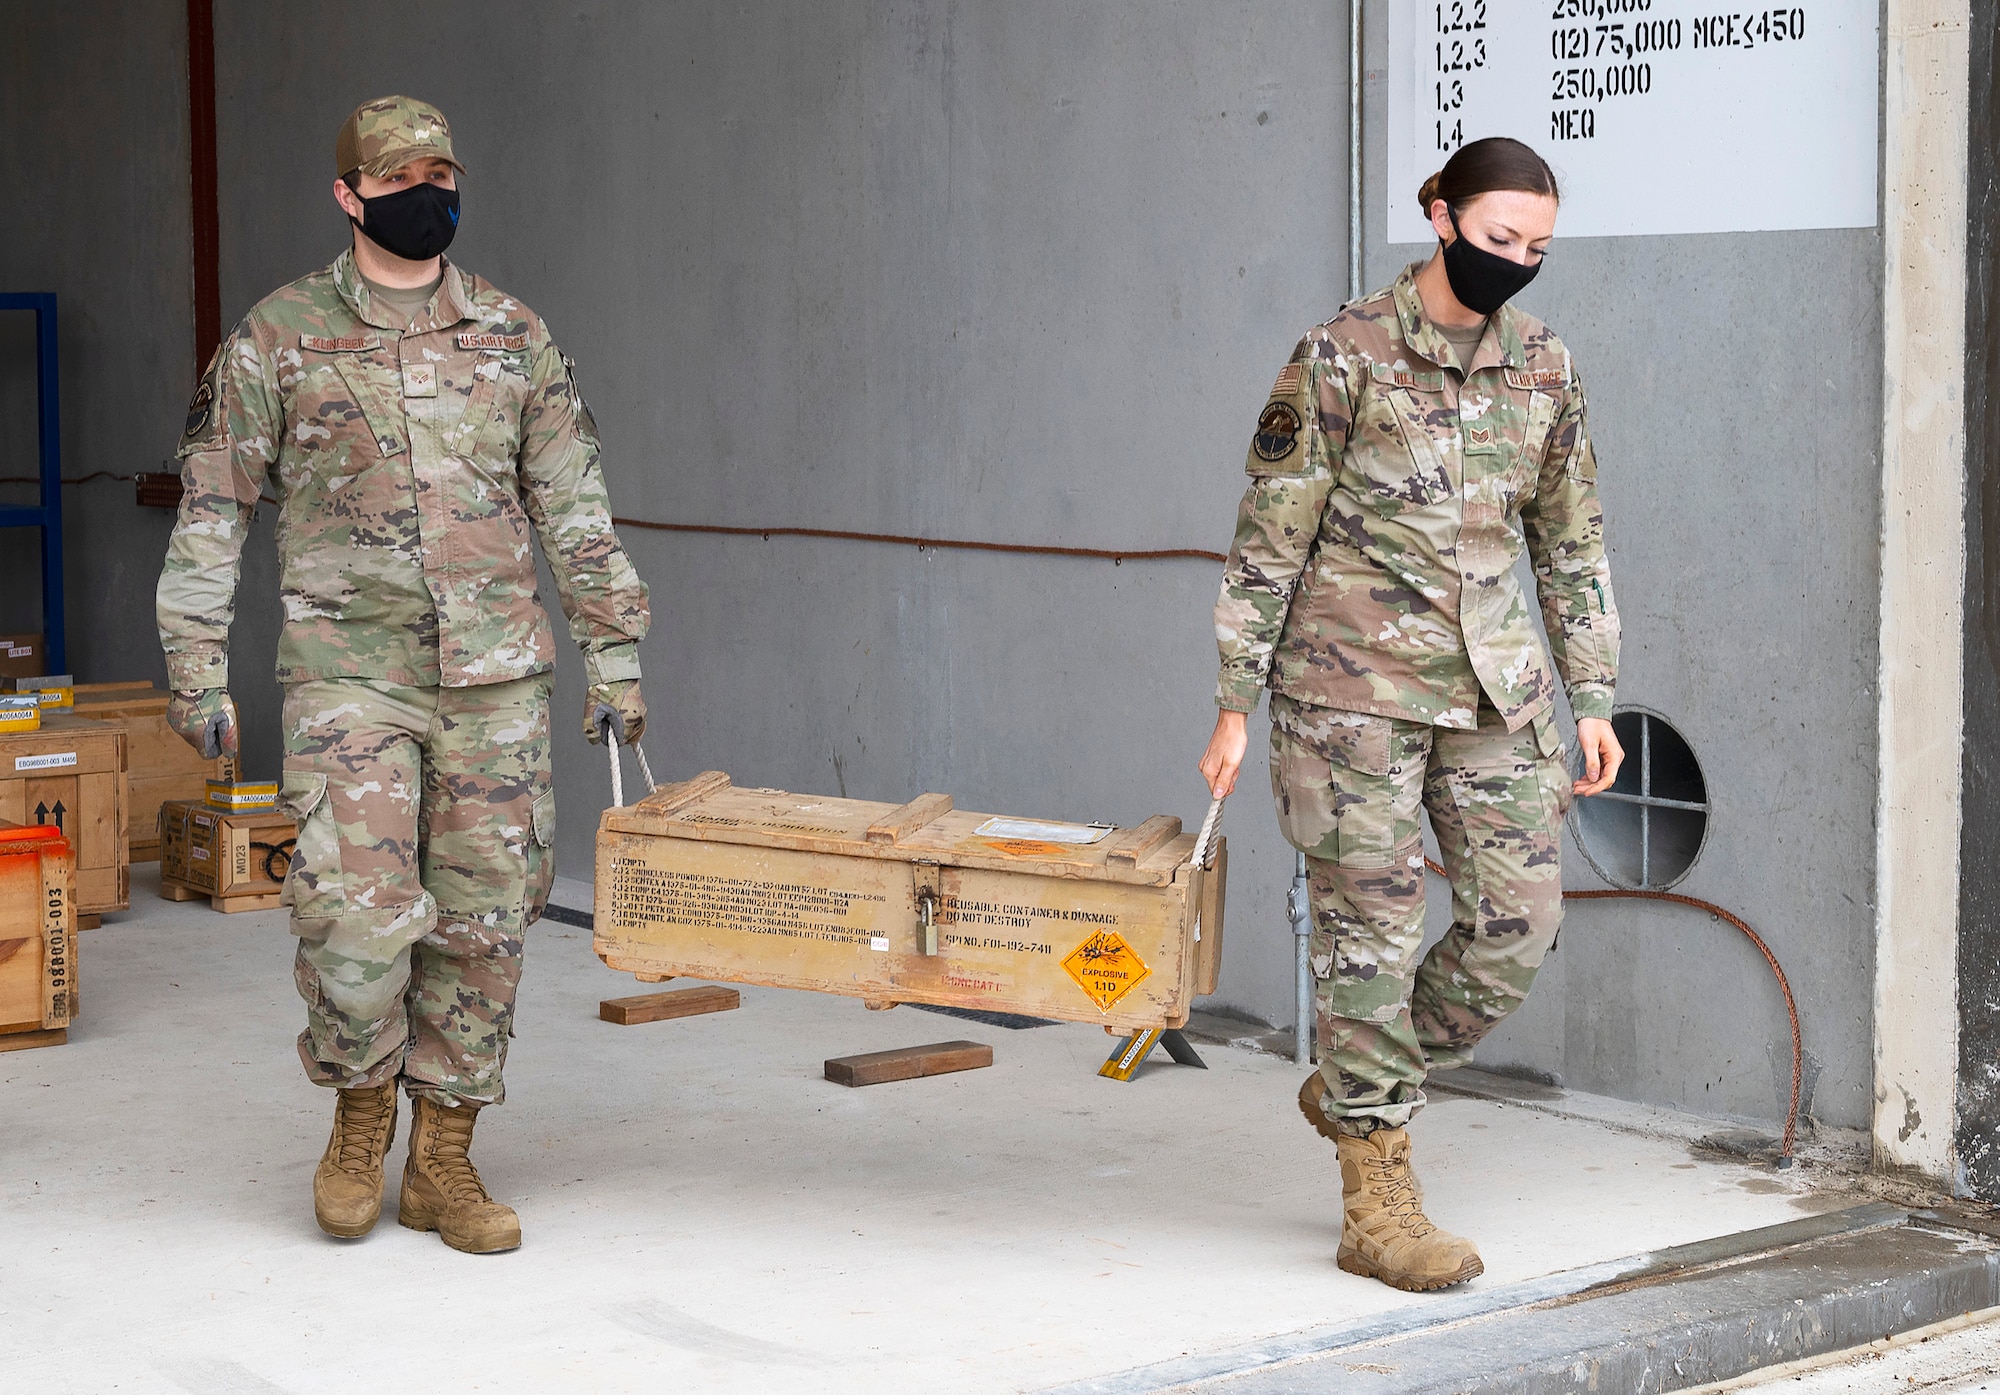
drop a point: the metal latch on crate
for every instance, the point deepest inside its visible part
(929, 906)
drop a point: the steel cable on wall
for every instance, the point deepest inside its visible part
(1112, 555)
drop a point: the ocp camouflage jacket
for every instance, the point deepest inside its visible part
(1372, 569)
(409, 465)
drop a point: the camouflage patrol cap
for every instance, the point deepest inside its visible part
(384, 135)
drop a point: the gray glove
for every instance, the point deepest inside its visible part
(206, 720)
(617, 705)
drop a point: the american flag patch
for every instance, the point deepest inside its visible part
(1288, 381)
(514, 342)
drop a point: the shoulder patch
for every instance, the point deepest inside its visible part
(1401, 375)
(339, 344)
(1288, 380)
(1531, 378)
(1277, 432)
(512, 342)
(200, 432)
(200, 411)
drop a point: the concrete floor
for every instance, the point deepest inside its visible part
(702, 1207)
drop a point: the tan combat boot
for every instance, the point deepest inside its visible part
(1385, 1234)
(441, 1188)
(347, 1184)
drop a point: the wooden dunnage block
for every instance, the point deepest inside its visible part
(908, 1063)
(677, 1002)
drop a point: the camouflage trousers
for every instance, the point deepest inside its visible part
(1351, 789)
(425, 821)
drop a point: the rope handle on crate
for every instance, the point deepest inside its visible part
(1204, 851)
(604, 729)
(1204, 841)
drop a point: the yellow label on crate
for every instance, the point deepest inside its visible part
(20, 717)
(54, 697)
(1106, 968)
(238, 799)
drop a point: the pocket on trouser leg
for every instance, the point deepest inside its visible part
(1558, 789)
(1337, 779)
(1367, 929)
(541, 855)
(312, 879)
(1368, 924)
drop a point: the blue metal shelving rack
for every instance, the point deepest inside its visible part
(47, 515)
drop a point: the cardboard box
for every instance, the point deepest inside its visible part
(21, 656)
(917, 903)
(70, 775)
(222, 854)
(159, 765)
(38, 983)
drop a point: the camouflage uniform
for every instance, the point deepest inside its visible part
(1370, 586)
(410, 465)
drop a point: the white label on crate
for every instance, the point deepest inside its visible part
(1045, 832)
(19, 653)
(879, 943)
(201, 854)
(48, 762)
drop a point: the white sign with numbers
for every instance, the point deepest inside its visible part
(1658, 116)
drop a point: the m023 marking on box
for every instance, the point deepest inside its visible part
(49, 762)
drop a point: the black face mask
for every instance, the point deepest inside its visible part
(414, 224)
(1483, 281)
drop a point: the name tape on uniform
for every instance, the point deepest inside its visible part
(53, 761)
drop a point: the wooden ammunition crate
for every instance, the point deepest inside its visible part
(159, 766)
(38, 987)
(71, 775)
(918, 903)
(226, 857)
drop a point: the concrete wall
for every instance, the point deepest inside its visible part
(1023, 272)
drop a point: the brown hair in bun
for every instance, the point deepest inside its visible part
(1485, 166)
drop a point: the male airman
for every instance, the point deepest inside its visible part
(417, 426)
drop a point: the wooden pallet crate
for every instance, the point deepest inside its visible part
(70, 775)
(38, 978)
(917, 903)
(159, 766)
(227, 859)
